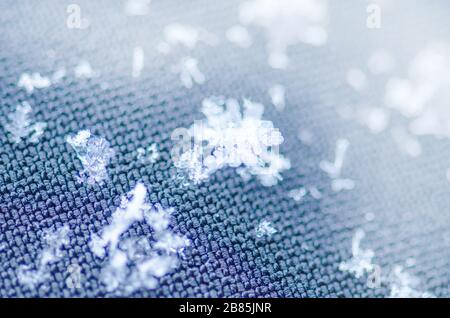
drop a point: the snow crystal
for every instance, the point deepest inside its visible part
(149, 154)
(423, 95)
(52, 252)
(286, 23)
(135, 263)
(361, 261)
(84, 70)
(277, 94)
(31, 81)
(94, 153)
(265, 228)
(334, 169)
(138, 61)
(404, 285)
(20, 126)
(189, 72)
(137, 7)
(239, 36)
(357, 79)
(177, 34)
(228, 137)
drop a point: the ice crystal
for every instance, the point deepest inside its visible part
(94, 153)
(361, 261)
(277, 94)
(136, 262)
(148, 155)
(52, 252)
(31, 81)
(138, 61)
(137, 7)
(334, 169)
(84, 70)
(265, 228)
(229, 137)
(404, 285)
(189, 72)
(298, 194)
(177, 34)
(286, 23)
(239, 36)
(20, 126)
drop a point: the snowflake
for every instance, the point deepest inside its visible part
(404, 285)
(52, 252)
(20, 126)
(334, 169)
(189, 72)
(135, 263)
(286, 23)
(228, 137)
(361, 261)
(94, 154)
(265, 228)
(149, 154)
(32, 81)
(84, 70)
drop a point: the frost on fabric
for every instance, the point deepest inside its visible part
(265, 228)
(33, 275)
(404, 285)
(137, 7)
(334, 169)
(94, 153)
(361, 261)
(287, 23)
(184, 35)
(133, 263)
(228, 137)
(32, 81)
(19, 125)
(423, 96)
(189, 72)
(138, 61)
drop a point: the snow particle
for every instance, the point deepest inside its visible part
(138, 61)
(265, 228)
(20, 126)
(31, 81)
(239, 36)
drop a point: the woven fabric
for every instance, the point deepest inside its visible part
(39, 189)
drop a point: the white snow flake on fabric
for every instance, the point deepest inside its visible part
(265, 228)
(19, 125)
(31, 81)
(134, 263)
(334, 169)
(52, 252)
(287, 23)
(404, 285)
(361, 261)
(229, 137)
(84, 70)
(94, 153)
(189, 72)
(277, 94)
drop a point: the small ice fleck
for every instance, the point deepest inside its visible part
(369, 216)
(361, 261)
(31, 81)
(138, 61)
(137, 7)
(20, 126)
(148, 155)
(297, 194)
(306, 136)
(265, 228)
(277, 94)
(84, 70)
(189, 72)
(239, 36)
(356, 79)
(338, 185)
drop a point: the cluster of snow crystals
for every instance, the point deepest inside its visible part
(228, 137)
(277, 94)
(52, 252)
(239, 36)
(138, 61)
(334, 169)
(404, 285)
(298, 194)
(424, 95)
(94, 153)
(149, 154)
(177, 34)
(135, 263)
(84, 70)
(189, 72)
(20, 126)
(361, 261)
(265, 228)
(137, 7)
(287, 23)
(31, 81)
